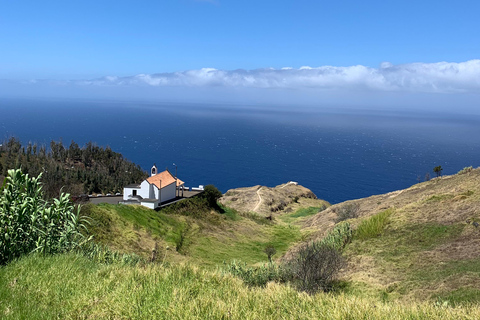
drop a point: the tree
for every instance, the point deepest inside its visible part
(212, 194)
(270, 251)
(438, 170)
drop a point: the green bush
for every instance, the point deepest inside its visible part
(339, 236)
(212, 194)
(30, 224)
(373, 226)
(256, 276)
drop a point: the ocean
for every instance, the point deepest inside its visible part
(338, 153)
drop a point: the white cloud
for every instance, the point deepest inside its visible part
(441, 77)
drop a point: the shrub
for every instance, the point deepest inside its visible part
(465, 170)
(438, 171)
(339, 236)
(347, 211)
(270, 251)
(256, 276)
(28, 223)
(315, 267)
(212, 194)
(373, 226)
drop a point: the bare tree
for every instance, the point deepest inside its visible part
(315, 267)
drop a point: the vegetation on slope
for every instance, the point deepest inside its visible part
(190, 231)
(30, 224)
(421, 243)
(418, 244)
(91, 169)
(71, 286)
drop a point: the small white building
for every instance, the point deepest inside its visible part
(158, 188)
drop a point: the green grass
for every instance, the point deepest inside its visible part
(300, 214)
(399, 255)
(403, 244)
(232, 236)
(459, 297)
(214, 249)
(462, 268)
(440, 197)
(72, 287)
(124, 227)
(230, 213)
(305, 212)
(372, 227)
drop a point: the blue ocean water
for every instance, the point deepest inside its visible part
(339, 154)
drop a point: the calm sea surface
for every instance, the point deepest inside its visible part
(339, 154)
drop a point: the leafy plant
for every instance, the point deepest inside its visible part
(28, 223)
(339, 236)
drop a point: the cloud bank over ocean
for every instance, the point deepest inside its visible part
(441, 77)
(446, 85)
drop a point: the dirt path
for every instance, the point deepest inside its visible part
(259, 199)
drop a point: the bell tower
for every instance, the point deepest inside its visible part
(154, 170)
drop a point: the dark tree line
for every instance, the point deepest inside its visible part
(88, 169)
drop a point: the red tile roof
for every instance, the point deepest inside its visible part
(166, 179)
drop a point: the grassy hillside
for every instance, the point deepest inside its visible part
(420, 243)
(72, 287)
(414, 254)
(206, 240)
(428, 247)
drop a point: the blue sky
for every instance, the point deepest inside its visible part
(85, 40)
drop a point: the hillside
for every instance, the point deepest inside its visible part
(429, 247)
(73, 169)
(414, 254)
(266, 201)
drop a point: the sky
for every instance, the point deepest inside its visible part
(243, 51)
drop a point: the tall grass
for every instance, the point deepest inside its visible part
(256, 276)
(103, 254)
(373, 226)
(70, 286)
(335, 240)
